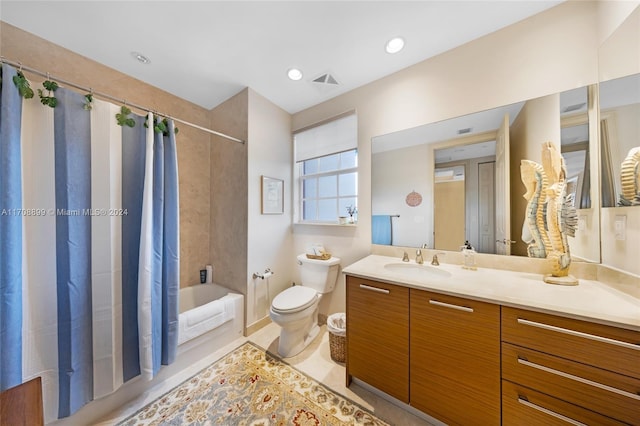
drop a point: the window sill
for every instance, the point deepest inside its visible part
(335, 224)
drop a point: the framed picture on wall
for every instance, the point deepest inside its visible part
(272, 195)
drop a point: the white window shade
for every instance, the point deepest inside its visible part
(335, 136)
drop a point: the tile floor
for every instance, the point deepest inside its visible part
(315, 361)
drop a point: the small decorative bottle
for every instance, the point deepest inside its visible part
(469, 256)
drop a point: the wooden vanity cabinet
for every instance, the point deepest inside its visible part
(455, 358)
(587, 371)
(474, 363)
(378, 335)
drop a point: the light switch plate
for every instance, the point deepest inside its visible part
(620, 227)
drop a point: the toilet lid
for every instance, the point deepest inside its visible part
(294, 299)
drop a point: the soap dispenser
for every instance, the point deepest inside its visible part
(469, 256)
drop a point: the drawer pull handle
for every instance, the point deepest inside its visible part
(579, 379)
(370, 288)
(448, 305)
(549, 412)
(579, 334)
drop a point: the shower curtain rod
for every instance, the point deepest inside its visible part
(112, 98)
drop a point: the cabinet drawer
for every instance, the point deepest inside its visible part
(378, 335)
(603, 391)
(526, 407)
(611, 348)
(455, 358)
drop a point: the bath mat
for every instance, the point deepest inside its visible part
(250, 387)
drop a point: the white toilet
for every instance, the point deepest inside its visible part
(296, 308)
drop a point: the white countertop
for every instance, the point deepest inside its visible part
(589, 300)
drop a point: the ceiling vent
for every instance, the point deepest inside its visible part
(326, 79)
(465, 131)
(325, 82)
(575, 107)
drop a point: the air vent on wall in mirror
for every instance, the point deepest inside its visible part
(575, 107)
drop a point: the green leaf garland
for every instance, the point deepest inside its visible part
(21, 82)
(88, 102)
(123, 118)
(49, 100)
(160, 126)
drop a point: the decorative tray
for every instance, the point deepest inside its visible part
(323, 256)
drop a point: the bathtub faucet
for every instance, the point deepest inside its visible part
(266, 274)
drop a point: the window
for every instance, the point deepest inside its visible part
(326, 171)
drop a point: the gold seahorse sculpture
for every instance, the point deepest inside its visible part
(550, 216)
(630, 178)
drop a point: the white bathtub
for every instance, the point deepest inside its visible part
(210, 309)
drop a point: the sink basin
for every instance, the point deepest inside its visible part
(414, 270)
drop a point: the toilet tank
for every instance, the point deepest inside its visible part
(321, 275)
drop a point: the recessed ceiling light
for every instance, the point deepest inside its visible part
(394, 45)
(141, 58)
(294, 74)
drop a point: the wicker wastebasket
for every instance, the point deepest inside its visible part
(337, 326)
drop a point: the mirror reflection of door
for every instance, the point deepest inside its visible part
(464, 195)
(449, 207)
(503, 195)
(486, 207)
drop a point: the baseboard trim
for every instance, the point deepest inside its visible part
(398, 403)
(257, 325)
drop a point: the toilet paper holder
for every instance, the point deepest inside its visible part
(266, 274)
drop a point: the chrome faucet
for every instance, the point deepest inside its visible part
(434, 261)
(419, 258)
(405, 257)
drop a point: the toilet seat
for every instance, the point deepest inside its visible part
(294, 299)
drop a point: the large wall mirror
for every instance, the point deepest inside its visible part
(620, 141)
(619, 99)
(466, 172)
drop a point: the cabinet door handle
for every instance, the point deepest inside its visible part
(376, 289)
(448, 305)
(579, 334)
(549, 412)
(579, 379)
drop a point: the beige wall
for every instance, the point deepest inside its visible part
(611, 15)
(243, 240)
(548, 53)
(270, 239)
(193, 145)
(537, 123)
(619, 54)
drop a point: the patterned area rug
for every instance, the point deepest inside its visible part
(250, 387)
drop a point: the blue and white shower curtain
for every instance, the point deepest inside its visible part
(89, 248)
